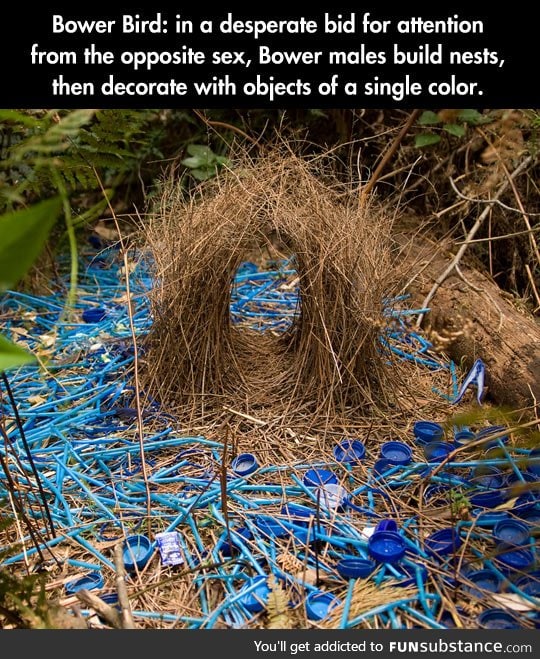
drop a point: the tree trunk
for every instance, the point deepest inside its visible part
(486, 323)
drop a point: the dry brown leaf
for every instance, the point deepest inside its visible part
(37, 400)
(106, 233)
(515, 602)
(279, 614)
(19, 331)
(48, 340)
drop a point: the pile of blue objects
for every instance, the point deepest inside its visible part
(418, 518)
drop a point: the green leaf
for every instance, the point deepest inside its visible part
(455, 129)
(18, 118)
(22, 236)
(200, 150)
(11, 355)
(203, 174)
(429, 118)
(317, 113)
(194, 161)
(426, 139)
(473, 117)
(57, 138)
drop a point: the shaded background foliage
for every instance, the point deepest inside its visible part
(129, 149)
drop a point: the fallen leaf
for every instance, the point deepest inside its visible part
(19, 331)
(48, 340)
(515, 602)
(37, 400)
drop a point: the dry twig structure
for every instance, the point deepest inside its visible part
(330, 360)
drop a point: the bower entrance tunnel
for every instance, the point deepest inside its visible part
(270, 292)
(265, 295)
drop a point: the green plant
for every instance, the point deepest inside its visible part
(22, 236)
(202, 162)
(65, 152)
(460, 504)
(455, 124)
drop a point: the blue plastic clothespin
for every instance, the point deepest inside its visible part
(476, 375)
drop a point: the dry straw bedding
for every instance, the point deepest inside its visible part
(329, 363)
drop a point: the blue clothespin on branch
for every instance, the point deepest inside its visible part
(476, 375)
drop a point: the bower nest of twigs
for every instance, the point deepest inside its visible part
(330, 360)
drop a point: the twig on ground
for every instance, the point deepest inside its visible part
(126, 616)
(259, 422)
(466, 281)
(498, 202)
(107, 612)
(505, 236)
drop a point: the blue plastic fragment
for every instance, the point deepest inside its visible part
(475, 376)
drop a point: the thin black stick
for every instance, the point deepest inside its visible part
(18, 505)
(29, 454)
(317, 531)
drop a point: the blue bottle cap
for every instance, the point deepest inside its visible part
(397, 453)
(110, 598)
(447, 619)
(381, 466)
(529, 583)
(94, 315)
(437, 451)
(317, 477)
(271, 526)
(526, 477)
(510, 532)
(387, 525)
(526, 503)
(244, 464)
(333, 496)
(488, 477)
(427, 431)
(436, 491)
(349, 450)
(463, 437)
(90, 581)
(408, 575)
(352, 567)
(137, 551)
(531, 518)
(516, 560)
(257, 597)
(497, 619)
(319, 605)
(488, 499)
(242, 533)
(483, 580)
(386, 547)
(297, 513)
(491, 430)
(443, 542)
(486, 517)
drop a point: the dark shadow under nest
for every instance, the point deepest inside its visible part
(329, 363)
